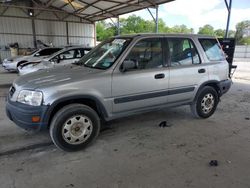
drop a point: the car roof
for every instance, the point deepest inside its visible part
(76, 47)
(68, 48)
(163, 35)
(51, 48)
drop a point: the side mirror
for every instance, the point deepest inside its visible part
(127, 65)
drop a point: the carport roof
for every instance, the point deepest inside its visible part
(94, 10)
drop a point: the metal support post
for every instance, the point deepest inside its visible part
(229, 6)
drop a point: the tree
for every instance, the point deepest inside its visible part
(206, 30)
(231, 33)
(136, 24)
(104, 30)
(181, 29)
(241, 32)
(220, 33)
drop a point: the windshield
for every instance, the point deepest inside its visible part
(105, 54)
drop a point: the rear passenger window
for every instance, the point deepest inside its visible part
(147, 54)
(212, 49)
(182, 52)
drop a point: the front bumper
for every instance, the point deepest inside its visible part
(224, 86)
(21, 115)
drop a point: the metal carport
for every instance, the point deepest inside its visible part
(61, 22)
(75, 11)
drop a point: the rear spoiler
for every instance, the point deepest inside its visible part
(228, 46)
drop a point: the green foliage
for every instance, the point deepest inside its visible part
(220, 33)
(181, 29)
(104, 31)
(135, 24)
(206, 30)
(244, 41)
(241, 28)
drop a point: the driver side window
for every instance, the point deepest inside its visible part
(146, 54)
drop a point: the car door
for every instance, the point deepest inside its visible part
(186, 70)
(145, 85)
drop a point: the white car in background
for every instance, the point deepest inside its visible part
(65, 56)
(11, 64)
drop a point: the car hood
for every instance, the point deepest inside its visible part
(32, 59)
(16, 58)
(55, 76)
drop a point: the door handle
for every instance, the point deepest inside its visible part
(201, 70)
(159, 76)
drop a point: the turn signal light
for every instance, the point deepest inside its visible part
(35, 119)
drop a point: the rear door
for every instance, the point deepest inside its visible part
(147, 84)
(186, 70)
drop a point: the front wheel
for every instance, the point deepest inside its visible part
(205, 103)
(74, 127)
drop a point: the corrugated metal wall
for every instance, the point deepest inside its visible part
(242, 53)
(16, 26)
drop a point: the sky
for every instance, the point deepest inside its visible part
(197, 13)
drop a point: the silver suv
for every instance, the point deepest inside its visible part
(122, 76)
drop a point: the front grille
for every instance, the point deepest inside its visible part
(12, 90)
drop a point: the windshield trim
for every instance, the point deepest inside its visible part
(85, 58)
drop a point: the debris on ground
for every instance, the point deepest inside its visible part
(164, 124)
(247, 118)
(213, 163)
(70, 185)
(181, 145)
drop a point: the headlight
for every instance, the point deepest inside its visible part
(33, 98)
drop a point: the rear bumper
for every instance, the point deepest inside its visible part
(22, 114)
(224, 86)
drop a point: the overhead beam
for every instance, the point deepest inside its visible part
(4, 10)
(93, 5)
(46, 9)
(49, 2)
(70, 2)
(110, 8)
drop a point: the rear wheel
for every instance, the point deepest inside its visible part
(74, 127)
(205, 103)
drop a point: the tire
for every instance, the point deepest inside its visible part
(74, 127)
(205, 102)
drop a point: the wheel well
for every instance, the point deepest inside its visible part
(89, 102)
(215, 86)
(19, 63)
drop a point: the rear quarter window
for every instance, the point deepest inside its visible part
(212, 49)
